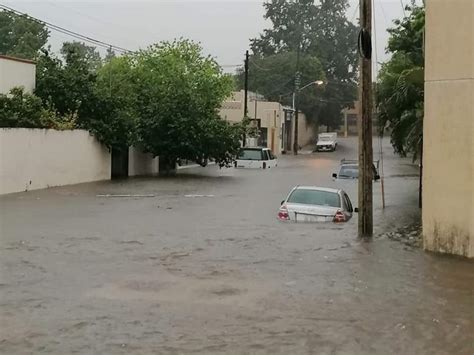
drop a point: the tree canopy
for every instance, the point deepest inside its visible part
(274, 78)
(178, 93)
(322, 32)
(20, 36)
(400, 87)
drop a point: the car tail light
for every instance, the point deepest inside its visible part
(339, 217)
(283, 214)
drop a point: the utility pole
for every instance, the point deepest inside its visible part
(246, 89)
(295, 98)
(365, 124)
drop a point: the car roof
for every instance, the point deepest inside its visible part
(317, 188)
(254, 148)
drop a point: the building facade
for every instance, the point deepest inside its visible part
(448, 144)
(15, 72)
(275, 122)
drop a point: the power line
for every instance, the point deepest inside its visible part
(259, 67)
(66, 31)
(381, 171)
(403, 8)
(355, 13)
(92, 18)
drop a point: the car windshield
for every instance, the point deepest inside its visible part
(315, 197)
(349, 171)
(325, 139)
(250, 154)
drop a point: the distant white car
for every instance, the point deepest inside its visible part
(256, 158)
(327, 142)
(316, 204)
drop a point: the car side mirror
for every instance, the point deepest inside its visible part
(334, 176)
(282, 202)
(356, 210)
(377, 177)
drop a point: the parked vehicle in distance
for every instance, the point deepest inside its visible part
(316, 204)
(327, 142)
(256, 157)
(349, 169)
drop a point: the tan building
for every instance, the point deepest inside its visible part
(16, 72)
(275, 122)
(448, 167)
(350, 117)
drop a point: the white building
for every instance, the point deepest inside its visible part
(16, 72)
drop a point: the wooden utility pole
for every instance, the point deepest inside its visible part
(246, 93)
(365, 123)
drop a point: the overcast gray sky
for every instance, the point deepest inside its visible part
(223, 27)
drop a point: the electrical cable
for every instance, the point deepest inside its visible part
(92, 18)
(355, 13)
(403, 8)
(66, 31)
(380, 135)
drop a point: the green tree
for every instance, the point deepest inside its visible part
(273, 77)
(68, 84)
(74, 52)
(114, 117)
(320, 30)
(109, 55)
(21, 36)
(178, 93)
(400, 88)
(23, 110)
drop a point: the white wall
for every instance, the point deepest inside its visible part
(39, 158)
(16, 72)
(141, 163)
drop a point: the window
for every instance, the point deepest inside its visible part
(348, 203)
(315, 197)
(250, 154)
(270, 154)
(265, 155)
(349, 171)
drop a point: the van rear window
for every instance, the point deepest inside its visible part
(250, 154)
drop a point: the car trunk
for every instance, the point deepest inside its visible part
(310, 213)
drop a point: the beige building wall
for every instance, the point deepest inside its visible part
(448, 167)
(38, 158)
(271, 115)
(16, 72)
(140, 164)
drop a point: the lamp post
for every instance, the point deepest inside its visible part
(295, 110)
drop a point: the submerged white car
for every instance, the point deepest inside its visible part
(316, 204)
(327, 142)
(257, 158)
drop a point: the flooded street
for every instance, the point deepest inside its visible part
(200, 264)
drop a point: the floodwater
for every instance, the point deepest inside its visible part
(200, 264)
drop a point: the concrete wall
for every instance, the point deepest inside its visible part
(39, 158)
(141, 163)
(448, 167)
(16, 72)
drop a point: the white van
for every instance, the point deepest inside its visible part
(257, 158)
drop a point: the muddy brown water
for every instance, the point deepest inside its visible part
(216, 273)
